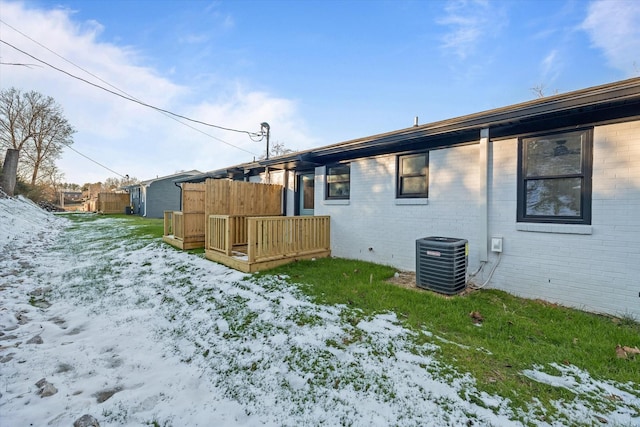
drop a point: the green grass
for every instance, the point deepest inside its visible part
(516, 334)
(137, 226)
(143, 227)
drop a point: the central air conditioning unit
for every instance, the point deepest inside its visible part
(441, 264)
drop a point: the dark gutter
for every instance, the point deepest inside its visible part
(611, 102)
(606, 102)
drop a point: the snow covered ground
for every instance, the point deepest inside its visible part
(136, 333)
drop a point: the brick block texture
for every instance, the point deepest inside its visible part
(598, 271)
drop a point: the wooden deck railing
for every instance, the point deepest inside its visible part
(227, 232)
(168, 223)
(270, 237)
(174, 224)
(286, 236)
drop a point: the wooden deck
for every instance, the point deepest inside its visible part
(184, 230)
(252, 244)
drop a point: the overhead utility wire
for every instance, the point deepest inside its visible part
(251, 134)
(120, 90)
(97, 163)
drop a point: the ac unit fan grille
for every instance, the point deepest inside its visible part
(441, 264)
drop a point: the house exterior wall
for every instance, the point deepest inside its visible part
(375, 226)
(593, 267)
(135, 195)
(152, 198)
(162, 195)
(598, 271)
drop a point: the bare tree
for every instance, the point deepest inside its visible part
(111, 184)
(277, 149)
(15, 127)
(51, 132)
(539, 91)
(34, 125)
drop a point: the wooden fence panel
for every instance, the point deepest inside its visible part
(225, 197)
(193, 197)
(110, 203)
(238, 198)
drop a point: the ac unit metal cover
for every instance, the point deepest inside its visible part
(441, 264)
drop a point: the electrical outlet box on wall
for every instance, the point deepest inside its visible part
(496, 244)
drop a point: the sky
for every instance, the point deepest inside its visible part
(318, 72)
(172, 339)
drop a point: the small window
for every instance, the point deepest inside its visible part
(338, 181)
(554, 178)
(413, 176)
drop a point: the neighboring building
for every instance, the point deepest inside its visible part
(92, 190)
(554, 183)
(152, 197)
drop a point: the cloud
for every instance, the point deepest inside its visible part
(469, 22)
(550, 66)
(614, 27)
(127, 137)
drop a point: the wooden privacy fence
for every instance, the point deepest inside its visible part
(240, 199)
(224, 197)
(186, 229)
(266, 242)
(111, 203)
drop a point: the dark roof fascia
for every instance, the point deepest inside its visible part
(587, 106)
(613, 102)
(297, 160)
(232, 172)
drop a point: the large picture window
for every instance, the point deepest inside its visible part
(554, 178)
(413, 176)
(338, 181)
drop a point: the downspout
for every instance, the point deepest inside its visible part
(483, 196)
(146, 193)
(180, 187)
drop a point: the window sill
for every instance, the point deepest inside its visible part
(555, 228)
(421, 201)
(343, 202)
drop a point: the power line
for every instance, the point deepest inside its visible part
(250, 134)
(94, 161)
(120, 90)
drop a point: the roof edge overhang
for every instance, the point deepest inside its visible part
(606, 103)
(232, 172)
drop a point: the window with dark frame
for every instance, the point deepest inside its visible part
(554, 177)
(338, 181)
(413, 175)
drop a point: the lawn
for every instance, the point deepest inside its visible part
(515, 335)
(172, 339)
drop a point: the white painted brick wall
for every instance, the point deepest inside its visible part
(599, 271)
(372, 219)
(596, 272)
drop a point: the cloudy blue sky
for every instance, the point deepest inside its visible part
(319, 72)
